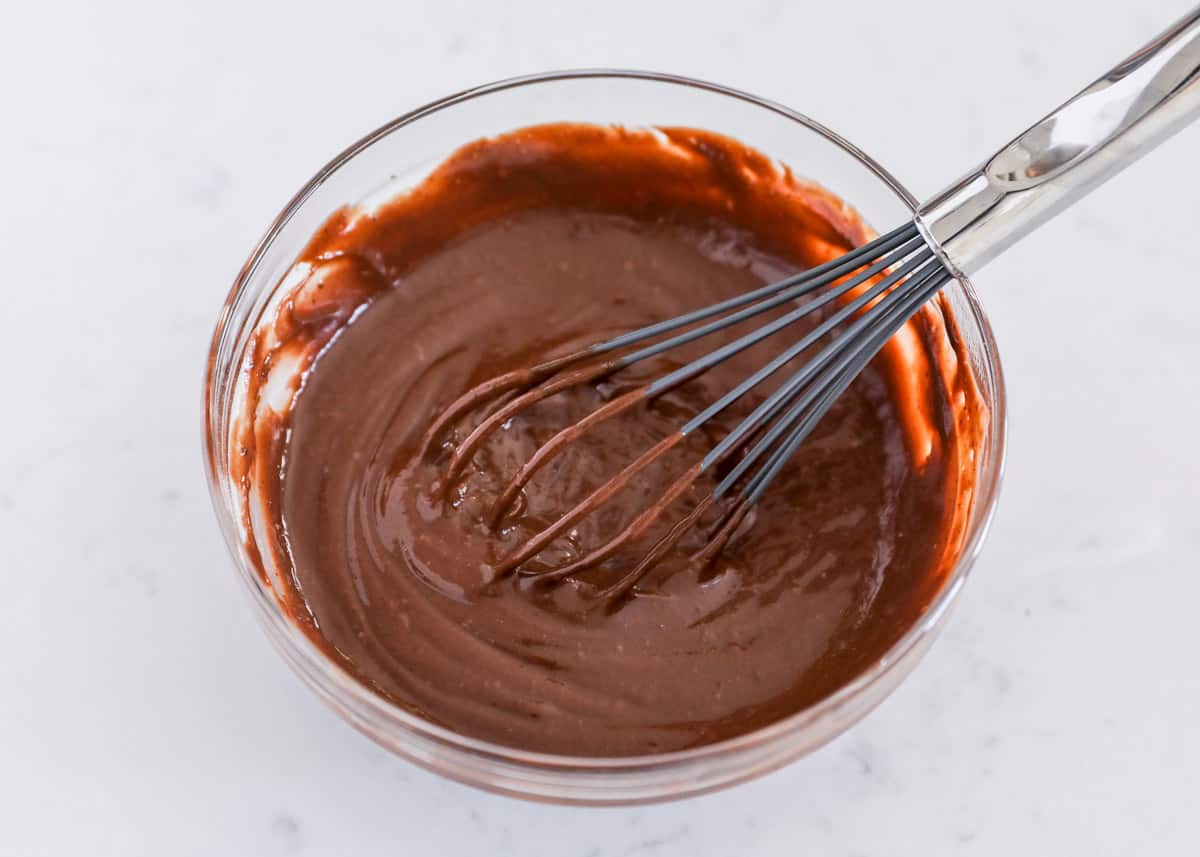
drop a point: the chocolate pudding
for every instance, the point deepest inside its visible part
(530, 245)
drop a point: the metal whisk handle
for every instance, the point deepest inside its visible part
(1106, 127)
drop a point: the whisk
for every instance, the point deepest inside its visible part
(859, 301)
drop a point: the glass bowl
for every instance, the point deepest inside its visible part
(400, 153)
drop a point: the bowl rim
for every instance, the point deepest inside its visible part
(303, 653)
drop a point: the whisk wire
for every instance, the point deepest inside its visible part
(843, 373)
(778, 398)
(899, 307)
(689, 371)
(818, 276)
(881, 284)
(782, 297)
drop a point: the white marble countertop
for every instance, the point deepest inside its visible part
(142, 712)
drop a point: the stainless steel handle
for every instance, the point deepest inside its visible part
(1099, 132)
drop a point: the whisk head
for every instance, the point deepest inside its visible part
(870, 293)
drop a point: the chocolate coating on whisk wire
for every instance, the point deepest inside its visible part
(905, 274)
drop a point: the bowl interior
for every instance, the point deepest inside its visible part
(399, 154)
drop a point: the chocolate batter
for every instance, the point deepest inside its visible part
(530, 245)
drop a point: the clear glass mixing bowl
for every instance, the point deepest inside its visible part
(402, 151)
